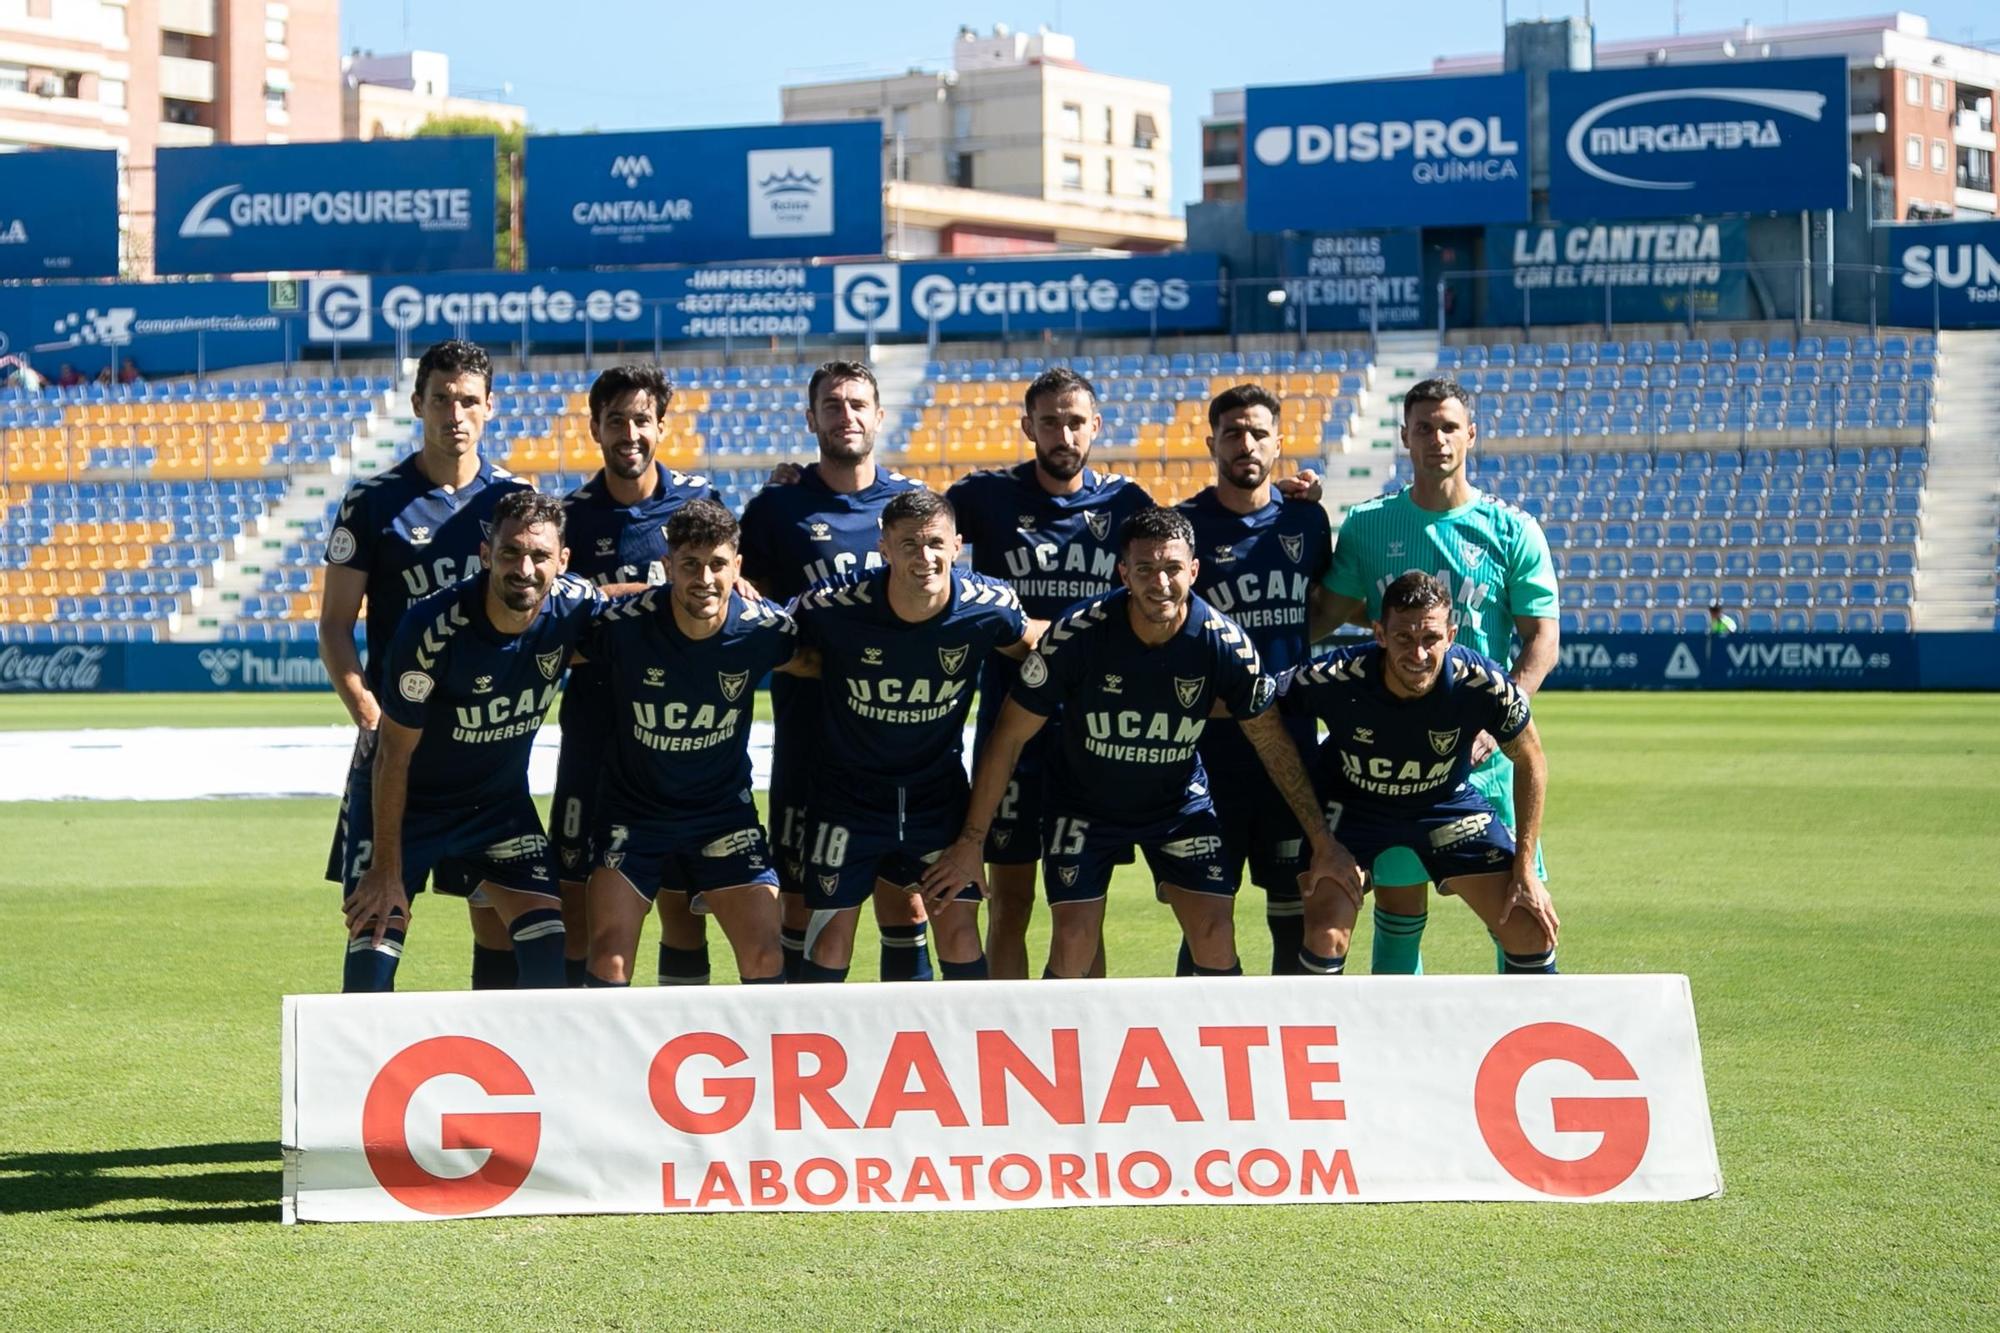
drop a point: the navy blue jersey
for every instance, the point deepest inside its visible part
(1405, 754)
(614, 543)
(1259, 570)
(681, 707)
(478, 695)
(897, 691)
(1133, 713)
(412, 537)
(796, 536)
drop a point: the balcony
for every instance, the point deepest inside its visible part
(1968, 130)
(172, 135)
(195, 17)
(187, 80)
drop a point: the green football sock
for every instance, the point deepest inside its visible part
(1399, 944)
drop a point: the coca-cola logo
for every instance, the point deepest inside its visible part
(70, 667)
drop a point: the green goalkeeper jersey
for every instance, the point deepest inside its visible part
(1491, 555)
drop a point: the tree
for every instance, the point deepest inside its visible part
(509, 143)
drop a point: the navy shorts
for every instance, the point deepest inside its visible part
(572, 815)
(360, 763)
(788, 823)
(684, 853)
(1184, 851)
(1457, 837)
(1015, 836)
(850, 846)
(1258, 828)
(456, 850)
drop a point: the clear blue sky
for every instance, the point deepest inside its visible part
(670, 64)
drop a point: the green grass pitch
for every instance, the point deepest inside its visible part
(1816, 863)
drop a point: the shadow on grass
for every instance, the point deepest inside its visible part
(59, 1182)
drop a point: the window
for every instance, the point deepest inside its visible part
(1224, 147)
(72, 84)
(1110, 176)
(1146, 176)
(13, 78)
(274, 39)
(1072, 173)
(1913, 89)
(961, 122)
(899, 123)
(1937, 94)
(177, 44)
(1939, 154)
(961, 171)
(275, 103)
(1145, 132)
(1069, 125)
(1110, 125)
(1913, 151)
(175, 111)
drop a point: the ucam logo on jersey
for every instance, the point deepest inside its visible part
(1947, 271)
(1764, 135)
(399, 205)
(1271, 1090)
(1390, 152)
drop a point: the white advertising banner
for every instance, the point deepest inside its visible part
(1034, 1094)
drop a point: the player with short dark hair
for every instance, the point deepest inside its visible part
(1137, 673)
(1496, 564)
(618, 540)
(1402, 715)
(1262, 557)
(825, 525)
(1049, 528)
(898, 651)
(674, 816)
(470, 675)
(398, 537)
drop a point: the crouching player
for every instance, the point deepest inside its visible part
(674, 811)
(471, 673)
(1137, 673)
(899, 651)
(1402, 715)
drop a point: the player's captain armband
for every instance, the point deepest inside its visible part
(340, 547)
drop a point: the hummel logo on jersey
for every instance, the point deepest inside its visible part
(482, 685)
(420, 536)
(550, 663)
(1114, 684)
(1225, 554)
(607, 545)
(1026, 523)
(732, 683)
(871, 657)
(820, 532)
(1068, 874)
(1444, 742)
(1099, 523)
(951, 659)
(1294, 544)
(656, 676)
(1396, 549)
(1188, 690)
(1364, 735)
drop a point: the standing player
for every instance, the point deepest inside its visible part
(1137, 674)
(826, 525)
(674, 817)
(1049, 528)
(470, 674)
(1262, 558)
(1403, 715)
(400, 536)
(1494, 561)
(618, 540)
(898, 652)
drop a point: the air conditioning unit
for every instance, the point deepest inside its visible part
(48, 86)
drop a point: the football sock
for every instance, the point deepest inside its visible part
(1521, 964)
(1288, 938)
(972, 971)
(684, 967)
(777, 980)
(1399, 944)
(538, 949)
(1184, 960)
(793, 943)
(371, 967)
(1319, 964)
(906, 954)
(1235, 969)
(576, 972)
(812, 973)
(493, 969)
(595, 982)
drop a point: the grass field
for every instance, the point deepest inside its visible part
(1816, 864)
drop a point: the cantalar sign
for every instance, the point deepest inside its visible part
(407, 205)
(1024, 1095)
(1759, 136)
(1387, 153)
